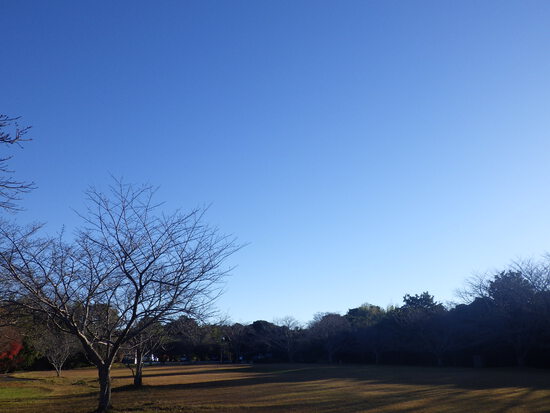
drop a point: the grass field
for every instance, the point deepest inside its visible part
(285, 388)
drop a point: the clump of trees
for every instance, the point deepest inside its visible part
(503, 321)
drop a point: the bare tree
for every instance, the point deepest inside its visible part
(288, 338)
(56, 346)
(535, 272)
(128, 268)
(10, 188)
(141, 346)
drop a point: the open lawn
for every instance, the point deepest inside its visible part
(285, 388)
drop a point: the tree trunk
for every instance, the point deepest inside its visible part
(138, 378)
(104, 389)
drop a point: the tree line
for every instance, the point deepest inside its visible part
(506, 322)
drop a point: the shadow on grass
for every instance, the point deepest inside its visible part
(147, 372)
(420, 388)
(8, 379)
(467, 379)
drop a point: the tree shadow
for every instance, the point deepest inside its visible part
(419, 388)
(467, 379)
(147, 372)
(8, 379)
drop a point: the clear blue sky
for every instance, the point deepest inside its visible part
(364, 150)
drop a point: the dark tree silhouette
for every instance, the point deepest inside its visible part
(331, 331)
(236, 337)
(368, 329)
(513, 299)
(287, 336)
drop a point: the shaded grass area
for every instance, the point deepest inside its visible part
(286, 388)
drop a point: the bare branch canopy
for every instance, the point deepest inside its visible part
(128, 267)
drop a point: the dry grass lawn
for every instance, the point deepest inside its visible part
(285, 388)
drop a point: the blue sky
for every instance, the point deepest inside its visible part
(363, 150)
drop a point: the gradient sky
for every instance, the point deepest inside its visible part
(363, 150)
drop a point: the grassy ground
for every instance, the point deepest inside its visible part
(285, 388)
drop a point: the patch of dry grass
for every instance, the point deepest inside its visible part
(285, 388)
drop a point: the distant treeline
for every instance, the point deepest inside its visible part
(504, 321)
